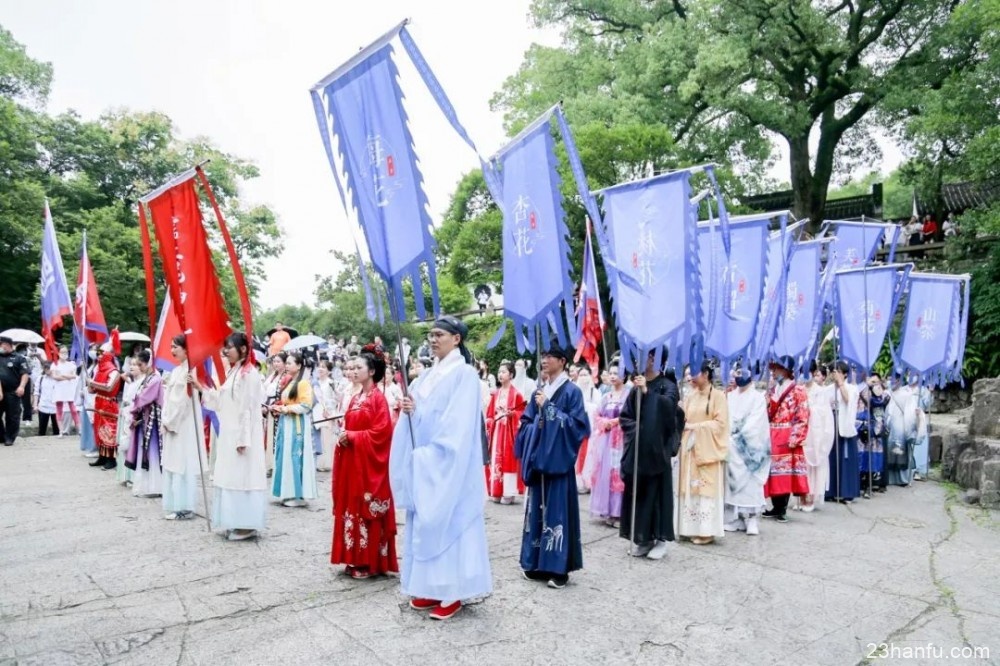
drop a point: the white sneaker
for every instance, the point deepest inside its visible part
(293, 503)
(91, 454)
(753, 527)
(735, 526)
(658, 552)
(235, 535)
(640, 550)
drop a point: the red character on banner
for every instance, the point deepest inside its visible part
(190, 275)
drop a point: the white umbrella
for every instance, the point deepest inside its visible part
(304, 341)
(19, 335)
(133, 337)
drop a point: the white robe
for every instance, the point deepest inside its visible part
(182, 442)
(183, 436)
(240, 479)
(749, 428)
(436, 472)
(819, 439)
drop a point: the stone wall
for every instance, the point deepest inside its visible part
(951, 398)
(970, 444)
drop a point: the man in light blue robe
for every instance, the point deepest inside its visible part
(553, 427)
(436, 472)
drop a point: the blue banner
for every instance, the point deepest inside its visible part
(956, 345)
(855, 245)
(536, 269)
(732, 291)
(779, 248)
(652, 236)
(865, 301)
(929, 326)
(801, 306)
(382, 178)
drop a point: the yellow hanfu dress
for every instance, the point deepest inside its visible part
(701, 478)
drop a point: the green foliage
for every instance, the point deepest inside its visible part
(721, 77)
(92, 172)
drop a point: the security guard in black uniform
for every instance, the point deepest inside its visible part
(14, 375)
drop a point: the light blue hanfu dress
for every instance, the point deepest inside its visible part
(436, 472)
(294, 459)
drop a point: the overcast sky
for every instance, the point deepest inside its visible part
(239, 72)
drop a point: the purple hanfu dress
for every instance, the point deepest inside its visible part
(606, 485)
(144, 452)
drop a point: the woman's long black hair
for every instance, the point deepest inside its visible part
(293, 393)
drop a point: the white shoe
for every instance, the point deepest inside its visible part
(753, 527)
(236, 536)
(808, 508)
(735, 526)
(658, 552)
(640, 550)
(293, 503)
(91, 454)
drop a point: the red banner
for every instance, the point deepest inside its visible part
(189, 272)
(87, 311)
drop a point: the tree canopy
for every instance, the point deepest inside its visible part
(92, 172)
(725, 78)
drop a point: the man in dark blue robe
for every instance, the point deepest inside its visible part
(553, 427)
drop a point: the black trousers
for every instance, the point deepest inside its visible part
(26, 410)
(10, 411)
(43, 424)
(779, 504)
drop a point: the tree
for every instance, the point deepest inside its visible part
(725, 76)
(93, 171)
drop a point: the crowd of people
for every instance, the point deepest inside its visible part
(661, 460)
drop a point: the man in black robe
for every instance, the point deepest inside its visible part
(658, 437)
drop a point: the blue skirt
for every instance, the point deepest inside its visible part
(239, 509)
(88, 440)
(180, 492)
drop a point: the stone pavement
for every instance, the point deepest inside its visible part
(91, 575)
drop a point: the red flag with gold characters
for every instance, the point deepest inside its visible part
(190, 274)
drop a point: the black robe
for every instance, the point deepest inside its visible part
(659, 437)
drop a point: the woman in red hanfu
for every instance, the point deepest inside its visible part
(364, 517)
(105, 386)
(503, 416)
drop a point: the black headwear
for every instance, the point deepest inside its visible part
(455, 326)
(565, 353)
(786, 363)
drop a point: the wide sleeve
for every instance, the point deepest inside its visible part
(526, 433)
(251, 395)
(175, 403)
(564, 425)
(151, 393)
(800, 417)
(401, 454)
(303, 400)
(491, 412)
(711, 444)
(447, 447)
(371, 443)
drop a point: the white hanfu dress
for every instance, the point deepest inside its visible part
(239, 501)
(183, 442)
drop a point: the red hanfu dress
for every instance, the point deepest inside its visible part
(503, 432)
(364, 517)
(106, 405)
(788, 412)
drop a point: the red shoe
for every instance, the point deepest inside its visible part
(445, 612)
(360, 574)
(424, 604)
